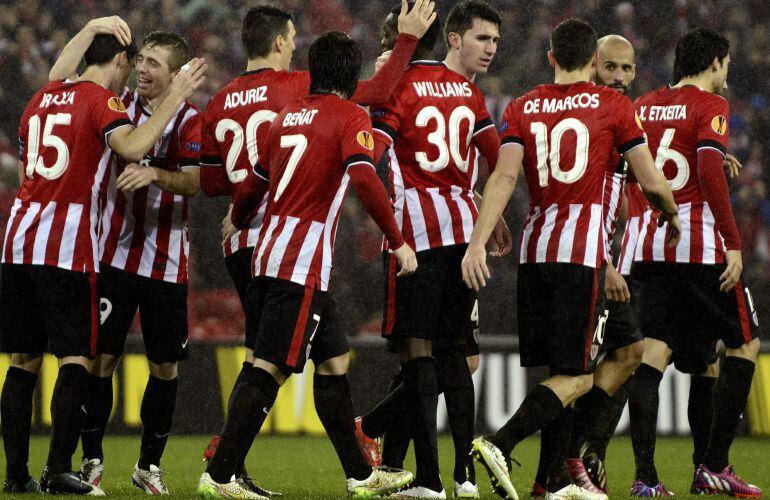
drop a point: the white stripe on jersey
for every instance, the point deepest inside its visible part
(595, 228)
(465, 211)
(46, 221)
(273, 265)
(19, 237)
(329, 232)
(69, 237)
(268, 236)
(307, 252)
(630, 238)
(709, 242)
(444, 216)
(417, 219)
(683, 248)
(14, 210)
(529, 226)
(398, 188)
(642, 235)
(567, 238)
(545, 233)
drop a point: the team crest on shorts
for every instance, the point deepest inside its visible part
(116, 104)
(365, 139)
(719, 124)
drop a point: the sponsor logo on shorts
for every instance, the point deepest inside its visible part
(598, 339)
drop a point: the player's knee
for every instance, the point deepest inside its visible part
(656, 354)
(712, 371)
(29, 362)
(473, 363)
(583, 384)
(334, 366)
(163, 371)
(749, 350)
(631, 356)
(105, 365)
(274, 371)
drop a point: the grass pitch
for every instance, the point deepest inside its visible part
(306, 467)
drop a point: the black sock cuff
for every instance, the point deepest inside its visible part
(74, 370)
(735, 364)
(161, 382)
(647, 372)
(703, 383)
(328, 380)
(246, 366)
(23, 376)
(546, 395)
(263, 379)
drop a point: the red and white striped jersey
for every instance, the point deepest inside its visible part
(145, 232)
(431, 121)
(636, 206)
(613, 197)
(309, 147)
(234, 122)
(569, 134)
(679, 122)
(65, 153)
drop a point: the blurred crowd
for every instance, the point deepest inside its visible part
(34, 31)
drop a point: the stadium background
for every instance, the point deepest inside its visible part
(33, 32)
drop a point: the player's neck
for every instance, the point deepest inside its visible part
(264, 62)
(453, 62)
(98, 75)
(562, 77)
(702, 81)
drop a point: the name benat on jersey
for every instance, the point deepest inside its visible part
(557, 105)
(443, 89)
(663, 113)
(304, 117)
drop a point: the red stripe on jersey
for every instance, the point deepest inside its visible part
(300, 328)
(264, 255)
(552, 250)
(290, 254)
(81, 251)
(55, 237)
(743, 311)
(696, 234)
(162, 238)
(455, 214)
(30, 236)
(591, 320)
(581, 228)
(136, 246)
(116, 221)
(11, 233)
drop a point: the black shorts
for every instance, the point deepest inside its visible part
(44, 308)
(162, 313)
(295, 323)
(239, 266)
(681, 305)
(434, 303)
(561, 316)
(621, 328)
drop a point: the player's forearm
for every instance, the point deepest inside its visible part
(214, 182)
(372, 195)
(247, 197)
(377, 90)
(184, 183)
(714, 185)
(497, 192)
(133, 145)
(21, 172)
(487, 142)
(66, 66)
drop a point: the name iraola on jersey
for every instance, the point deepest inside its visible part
(62, 99)
(246, 97)
(443, 89)
(578, 101)
(663, 113)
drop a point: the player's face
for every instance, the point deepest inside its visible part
(287, 46)
(720, 76)
(153, 74)
(389, 32)
(615, 67)
(478, 46)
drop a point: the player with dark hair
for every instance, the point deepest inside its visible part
(48, 288)
(144, 251)
(429, 317)
(315, 147)
(563, 136)
(690, 297)
(248, 105)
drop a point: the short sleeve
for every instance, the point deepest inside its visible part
(357, 140)
(190, 141)
(483, 119)
(262, 168)
(510, 128)
(386, 120)
(23, 136)
(629, 132)
(713, 123)
(109, 113)
(210, 155)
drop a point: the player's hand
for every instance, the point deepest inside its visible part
(673, 230)
(112, 25)
(407, 260)
(732, 274)
(615, 287)
(380, 62)
(189, 78)
(136, 177)
(732, 166)
(475, 270)
(417, 21)
(502, 238)
(228, 228)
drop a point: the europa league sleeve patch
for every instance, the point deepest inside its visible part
(365, 139)
(116, 104)
(719, 124)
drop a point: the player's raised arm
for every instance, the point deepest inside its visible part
(497, 192)
(412, 25)
(133, 143)
(66, 66)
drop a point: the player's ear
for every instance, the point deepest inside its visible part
(715, 65)
(454, 39)
(551, 59)
(279, 43)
